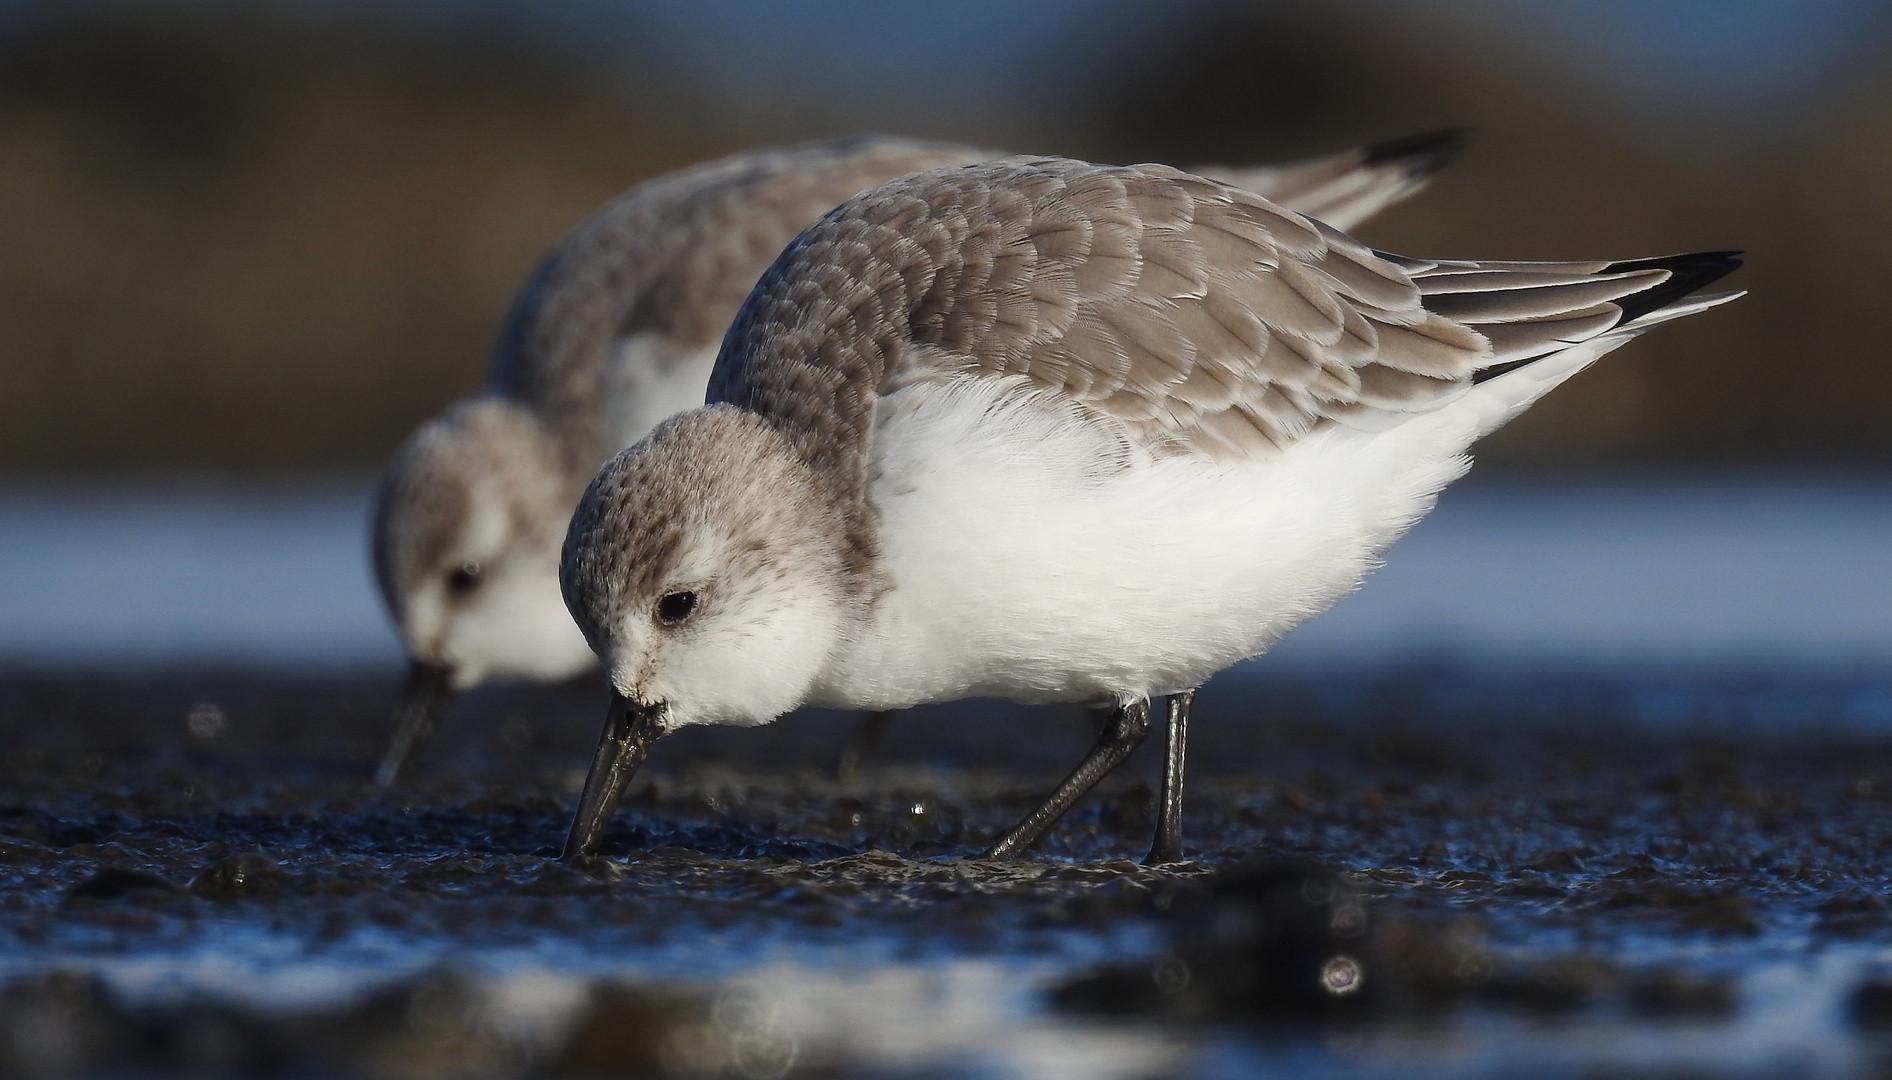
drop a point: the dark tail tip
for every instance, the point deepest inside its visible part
(1422, 154)
(1687, 273)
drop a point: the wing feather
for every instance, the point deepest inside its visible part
(1520, 340)
(1345, 189)
(1199, 318)
(1537, 301)
(672, 259)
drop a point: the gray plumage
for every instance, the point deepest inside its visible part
(1345, 189)
(1201, 318)
(675, 257)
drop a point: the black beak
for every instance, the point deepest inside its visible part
(628, 732)
(422, 700)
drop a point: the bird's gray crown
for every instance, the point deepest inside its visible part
(487, 448)
(714, 494)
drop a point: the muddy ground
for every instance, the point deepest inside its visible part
(1425, 870)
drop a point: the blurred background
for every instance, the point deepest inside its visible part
(246, 247)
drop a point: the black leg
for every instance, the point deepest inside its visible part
(866, 738)
(1128, 726)
(1167, 847)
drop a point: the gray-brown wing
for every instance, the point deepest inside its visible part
(675, 257)
(1345, 189)
(1201, 318)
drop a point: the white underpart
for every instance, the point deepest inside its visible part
(515, 625)
(651, 377)
(432, 626)
(745, 658)
(1029, 556)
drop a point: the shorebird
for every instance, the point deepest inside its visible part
(616, 330)
(1049, 431)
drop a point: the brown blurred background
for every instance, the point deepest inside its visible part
(269, 238)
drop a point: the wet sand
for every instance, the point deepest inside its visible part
(1420, 870)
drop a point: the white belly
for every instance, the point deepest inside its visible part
(1031, 557)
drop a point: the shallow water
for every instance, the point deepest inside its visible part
(1702, 569)
(195, 877)
(1591, 780)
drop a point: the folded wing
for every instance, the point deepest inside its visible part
(1200, 317)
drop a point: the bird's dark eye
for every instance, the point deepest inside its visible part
(462, 579)
(675, 607)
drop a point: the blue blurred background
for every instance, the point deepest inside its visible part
(246, 247)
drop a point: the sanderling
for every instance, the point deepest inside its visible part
(1049, 431)
(618, 329)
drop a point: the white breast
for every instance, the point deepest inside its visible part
(649, 378)
(1035, 556)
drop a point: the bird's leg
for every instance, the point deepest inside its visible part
(1128, 726)
(866, 738)
(1167, 847)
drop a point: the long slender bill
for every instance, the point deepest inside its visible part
(423, 699)
(628, 732)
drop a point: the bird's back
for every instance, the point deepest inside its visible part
(1188, 317)
(670, 262)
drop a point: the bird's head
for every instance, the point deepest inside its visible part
(707, 567)
(466, 546)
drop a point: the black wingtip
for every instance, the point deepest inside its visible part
(1687, 273)
(1422, 154)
